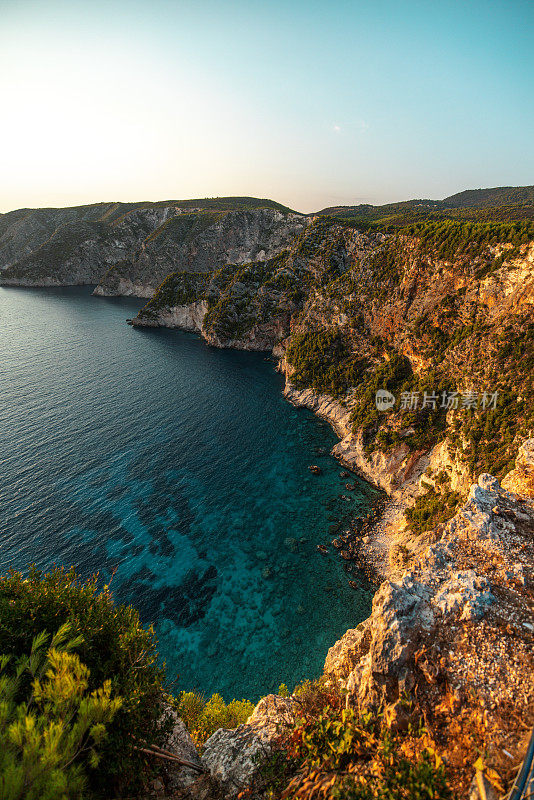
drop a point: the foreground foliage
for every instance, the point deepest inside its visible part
(333, 752)
(46, 725)
(203, 717)
(116, 651)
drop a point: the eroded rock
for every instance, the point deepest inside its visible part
(454, 583)
(181, 744)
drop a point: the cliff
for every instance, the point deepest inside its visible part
(144, 241)
(439, 312)
(201, 242)
(416, 343)
(450, 642)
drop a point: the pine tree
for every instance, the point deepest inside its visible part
(48, 719)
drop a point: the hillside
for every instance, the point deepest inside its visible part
(443, 307)
(487, 198)
(74, 246)
(129, 248)
(200, 241)
(505, 204)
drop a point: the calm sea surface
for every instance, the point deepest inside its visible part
(182, 468)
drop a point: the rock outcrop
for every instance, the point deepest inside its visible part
(233, 756)
(180, 744)
(459, 621)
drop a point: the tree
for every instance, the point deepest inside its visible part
(44, 734)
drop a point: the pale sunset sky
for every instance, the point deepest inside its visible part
(308, 103)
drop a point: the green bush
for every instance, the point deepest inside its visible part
(49, 720)
(449, 239)
(203, 717)
(115, 648)
(323, 360)
(432, 508)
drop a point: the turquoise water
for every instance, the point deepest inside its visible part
(181, 468)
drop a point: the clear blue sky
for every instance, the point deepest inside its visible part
(309, 103)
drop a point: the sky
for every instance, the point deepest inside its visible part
(311, 104)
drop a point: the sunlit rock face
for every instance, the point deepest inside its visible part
(233, 757)
(521, 479)
(434, 623)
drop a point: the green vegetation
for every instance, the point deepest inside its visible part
(183, 228)
(203, 717)
(449, 240)
(323, 360)
(115, 650)
(504, 204)
(386, 262)
(492, 198)
(487, 439)
(178, 288)
(431, 509)
(49, 720)
(81, 688)
(424, 425)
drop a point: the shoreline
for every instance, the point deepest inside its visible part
(369, 542)
(371, 545)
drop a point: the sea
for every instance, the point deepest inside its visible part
(179, 474)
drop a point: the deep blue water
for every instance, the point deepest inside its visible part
(182, 468)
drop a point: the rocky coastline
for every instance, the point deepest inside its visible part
(454, 631)
(450, 639)
(451, 622)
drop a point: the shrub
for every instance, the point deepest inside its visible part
(339, 754)
(46, 725)
(323, 360)
(115, 648)
(432, 508)
(203, 717)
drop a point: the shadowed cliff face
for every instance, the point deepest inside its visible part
(75, 246)
(201, 242)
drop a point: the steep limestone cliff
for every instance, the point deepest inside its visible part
(419, 315)
(73, 246)
(201, 242)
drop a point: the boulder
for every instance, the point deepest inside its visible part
(180, 743)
